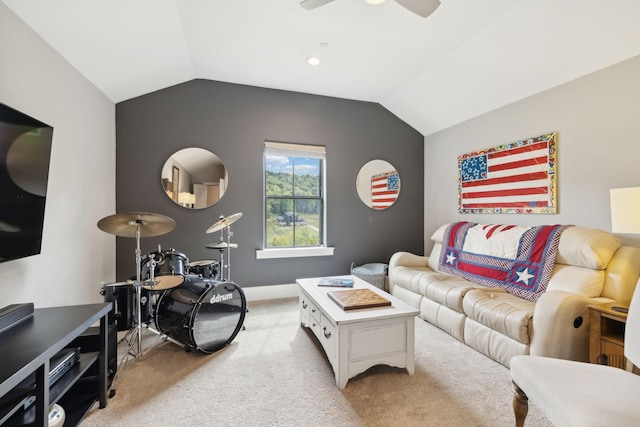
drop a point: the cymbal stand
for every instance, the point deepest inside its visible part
(222, 266)
(138, 311)
(226, 266)
(229, 234)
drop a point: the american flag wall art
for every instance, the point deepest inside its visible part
(385, 188)
(519, 177)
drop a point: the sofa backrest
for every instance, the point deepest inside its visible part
(589, 262)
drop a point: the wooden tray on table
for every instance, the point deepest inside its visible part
(358, 298)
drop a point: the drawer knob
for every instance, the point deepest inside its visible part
(326, 335)
(304, 304)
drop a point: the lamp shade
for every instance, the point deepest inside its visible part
(625, 210)
(184, 198)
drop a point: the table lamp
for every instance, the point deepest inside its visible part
(625, 210)
(625, 215)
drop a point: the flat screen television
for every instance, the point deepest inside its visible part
(25, 151)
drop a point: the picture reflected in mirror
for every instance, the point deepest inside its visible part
(194, 178)
(378, 184)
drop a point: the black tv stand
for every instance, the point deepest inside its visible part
(26, 350)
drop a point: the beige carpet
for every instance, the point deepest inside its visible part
(275, 374)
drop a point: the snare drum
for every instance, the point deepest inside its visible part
(201, 313)
(206, 268)
(169, 271)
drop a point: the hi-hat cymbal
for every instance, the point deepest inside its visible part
(222, 245)
(224, 222)
(126, 224)
(201, 262)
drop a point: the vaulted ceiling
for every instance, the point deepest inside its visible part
(469, 57)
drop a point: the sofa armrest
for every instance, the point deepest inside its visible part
(404, 259)
(561, 326)
(407, 259)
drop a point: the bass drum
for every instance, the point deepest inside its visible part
(201, 313)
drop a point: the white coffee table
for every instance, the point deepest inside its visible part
(355, 340)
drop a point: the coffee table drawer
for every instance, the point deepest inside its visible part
(328, 336)
(305, 310)
(315, 312)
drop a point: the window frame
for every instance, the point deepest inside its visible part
(299, 151)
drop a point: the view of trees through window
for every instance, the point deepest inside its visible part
(293, 201)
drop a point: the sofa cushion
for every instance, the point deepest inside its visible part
(501, 312)
(438, 235)
(434, 258)
(445, 289)
(578, 280)
(586, 247)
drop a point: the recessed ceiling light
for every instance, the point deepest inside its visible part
(375, 1)
(313, 60)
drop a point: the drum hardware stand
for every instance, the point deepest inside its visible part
(134, 336)
(137, 224)
(222, 265)
(222, 224)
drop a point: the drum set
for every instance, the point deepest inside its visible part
(192, 304)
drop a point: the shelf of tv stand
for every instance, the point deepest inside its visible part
(27, 349)
(58, 390)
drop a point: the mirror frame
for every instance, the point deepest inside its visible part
(385, 172)
(194, 178)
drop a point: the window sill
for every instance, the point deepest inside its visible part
(293, 252)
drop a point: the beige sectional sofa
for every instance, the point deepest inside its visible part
(590, 267)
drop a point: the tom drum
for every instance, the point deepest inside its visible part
(206, 268)
(169, 272)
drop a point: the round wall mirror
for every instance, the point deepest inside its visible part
(194, 178)
(378, 184)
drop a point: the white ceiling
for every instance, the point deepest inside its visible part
(468, 58)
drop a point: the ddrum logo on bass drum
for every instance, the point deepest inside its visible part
(219, 298)
(201, 313)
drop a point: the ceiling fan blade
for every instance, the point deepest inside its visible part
(423, 8)
(312, 4)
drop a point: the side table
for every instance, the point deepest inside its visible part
(606, 335)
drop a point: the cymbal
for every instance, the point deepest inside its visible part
(201, 262)
(222, 245)
(131, 282)
(224, 222)
(126, 224)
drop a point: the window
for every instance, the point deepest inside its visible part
(294, 195)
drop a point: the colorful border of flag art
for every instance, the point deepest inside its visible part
(519, 177)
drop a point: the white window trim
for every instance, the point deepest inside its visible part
(272, 253)
(316, 151)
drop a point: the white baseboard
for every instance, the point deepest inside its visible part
(259, 293)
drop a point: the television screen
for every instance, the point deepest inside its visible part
(25, 150)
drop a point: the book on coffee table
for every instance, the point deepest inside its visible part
(358, 298)
(336, 282)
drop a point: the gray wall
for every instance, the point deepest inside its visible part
(233, 121)
(597, 119)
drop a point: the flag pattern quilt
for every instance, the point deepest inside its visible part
(516, 258)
